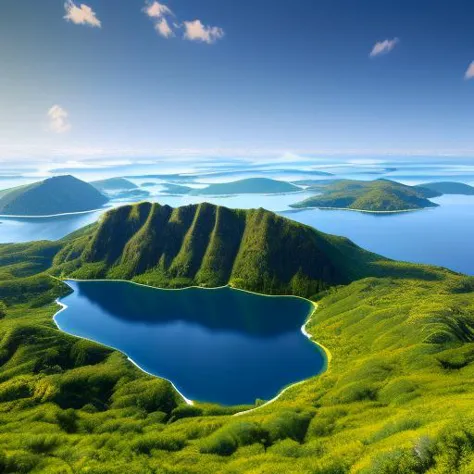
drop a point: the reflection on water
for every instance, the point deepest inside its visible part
(221, 345)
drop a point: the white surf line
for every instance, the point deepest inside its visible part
(326, 351)
(77, 213)
(365, 211)
(64, 307)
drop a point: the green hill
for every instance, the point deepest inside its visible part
(379, 195)
(113, 184)
(448, 187)
(211, 246)
(402, 352)
(57, 195)
(248, 186)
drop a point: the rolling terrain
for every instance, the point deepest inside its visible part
(396, 398)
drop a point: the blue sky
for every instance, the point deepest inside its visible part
(255, 77)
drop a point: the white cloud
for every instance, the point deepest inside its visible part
(163, 28)
(58, 119)
(383, 47)
(82, 15)
(470, 71)
(157, 10)
(196, 31)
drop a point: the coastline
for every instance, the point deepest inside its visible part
(64, 307)
(365, 211)
(77, 213)
(314, 306)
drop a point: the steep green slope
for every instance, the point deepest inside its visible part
(378, 195)
(56, 195)
(211, 246)
(448, 187)
(113, 184)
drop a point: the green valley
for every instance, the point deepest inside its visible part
(396, 397)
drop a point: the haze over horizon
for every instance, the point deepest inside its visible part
(140, 80)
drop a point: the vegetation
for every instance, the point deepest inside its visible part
(243, 186)
(449, 187)
(56, 195)
(396, 399)
(378, 195)
(113, 184)
(212, 246)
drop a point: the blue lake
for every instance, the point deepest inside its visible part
(224, 345)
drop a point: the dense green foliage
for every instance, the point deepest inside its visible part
(379, 195)
(396, 399)
(113, 184)
(212, 246)
(55, 195)
(449, 187)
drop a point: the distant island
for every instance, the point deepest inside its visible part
(243, 186)
(113, 184)
(448, 187)
(57, 195)
(171, 188)
(133, 194)
(374, 196)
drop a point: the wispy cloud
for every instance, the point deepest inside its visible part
(384, 47)
(58, 119)
(157, 10)
(470, 72)
(158, 13)
(81, 15)
(196, 31)
(193, 30)
(164, 29)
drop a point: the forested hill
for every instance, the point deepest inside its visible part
(209, 245)
(380, 196)
(57, 195)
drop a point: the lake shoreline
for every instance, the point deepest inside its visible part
(314, 306)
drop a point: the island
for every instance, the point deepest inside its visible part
(113, 184)
(243, 186)
(448, 187)
(371, 196)
(57, 195)
(397, 339)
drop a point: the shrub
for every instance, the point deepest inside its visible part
(146, 443)
(288, 424)
(41, 444)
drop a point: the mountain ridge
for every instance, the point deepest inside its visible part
(208, 245)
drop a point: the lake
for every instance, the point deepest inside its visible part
(224, 345)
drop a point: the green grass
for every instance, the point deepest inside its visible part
(397, 397)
